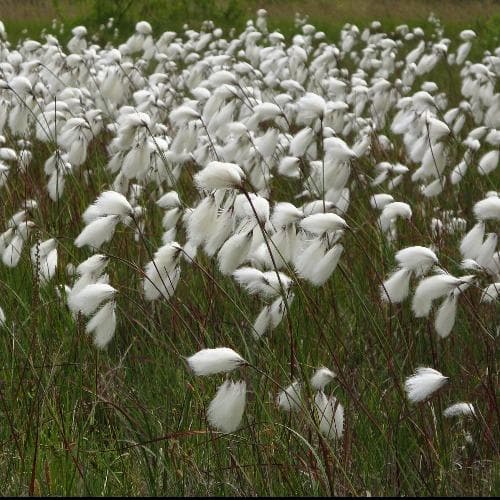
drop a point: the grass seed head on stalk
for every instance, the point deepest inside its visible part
(216, 360)
(424, 383)
(225, 411)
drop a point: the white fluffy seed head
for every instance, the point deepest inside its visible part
(265, 111)
(262, 323)
(95, 264)
(224, 227)
(306, 257)
(12, 252)
(321, 378)
(432, 288)
(113, 203)
(289, 167)
(91, 297)
(277, 309)
(169, 200)
(330, 415)
(245, 276)
(396, 287)
(470, 246)
(217, 360)
(397, 209)
(234, 252)
(446, 314)
(266, 284)
(311, 106)
(324, 268)
(219, 175)
(301, 142)
(256, 207)
(436, 129)
(285, 213)
(202, 221)
(162, 274)
(489, 208)
(103, 325)
(489, 162)
(459, 410)
(487, 250)
(417, 258)
(423, 384)
(99, 231)
(490, 293)
(290, 398)
(380, 200)
(323, 223)
(183, 114)
(225, 411)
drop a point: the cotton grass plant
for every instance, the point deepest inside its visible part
(239, 247)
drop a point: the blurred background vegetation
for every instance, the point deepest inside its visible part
(28, 18)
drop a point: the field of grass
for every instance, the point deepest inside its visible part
(35, 16)
(132, 419)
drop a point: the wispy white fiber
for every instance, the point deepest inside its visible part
(217, 360)
(423, 384)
